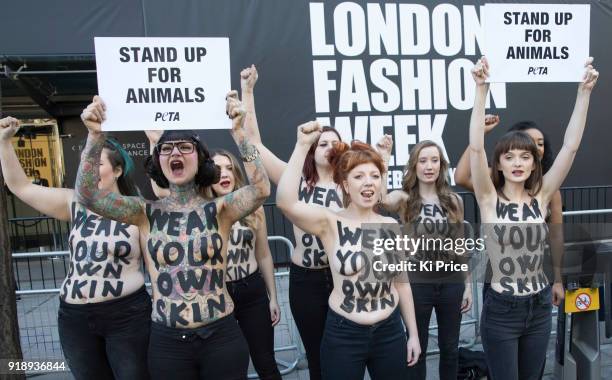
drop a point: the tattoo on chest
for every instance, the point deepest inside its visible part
(186, 250)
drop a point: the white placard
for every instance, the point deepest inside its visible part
(163, 83)
(536, 42)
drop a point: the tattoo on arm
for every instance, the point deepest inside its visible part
(103, 202)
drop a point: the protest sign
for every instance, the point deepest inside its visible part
(163, 83)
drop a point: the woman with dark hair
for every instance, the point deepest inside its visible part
(513, 197)
(194, 333)
(427, 207)
(554, 217)
(363, 326)
(104, 311)
(250, 269)
(310, 280)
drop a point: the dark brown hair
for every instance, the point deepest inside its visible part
(521, 141)
(208, 172)
(309, 170)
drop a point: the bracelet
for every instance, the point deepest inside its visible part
(251, 156)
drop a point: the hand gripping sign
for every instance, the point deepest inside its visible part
(163, 83)
(536, 42)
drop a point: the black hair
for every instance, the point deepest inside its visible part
(118, 157)
(208, 173)
(547, 158)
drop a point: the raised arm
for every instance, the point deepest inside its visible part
(310, 218)
(463, 174)
(483, 186)
(102, 201)
(244, 201)
(53, 202)
(274, 166)
(573, 134)
(266, 264)
(154, 137)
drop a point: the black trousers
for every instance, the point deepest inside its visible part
(446, 299)
(251, 309)
(309, 291)
(215, 351)
(515, 332)
(349, 348)
(107, 340)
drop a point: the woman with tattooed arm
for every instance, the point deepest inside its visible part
(193, 330)
(363, 326)
(104, 311)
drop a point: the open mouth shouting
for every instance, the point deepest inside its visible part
(518, 173)
(368, 194)
(177, 168)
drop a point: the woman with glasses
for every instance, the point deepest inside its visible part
(250, 269)
(104, 312)
(194, 333)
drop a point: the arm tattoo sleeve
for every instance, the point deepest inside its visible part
(103, 202)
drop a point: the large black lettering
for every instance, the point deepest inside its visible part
(210, 212)
(332, 196)
(176, 250)
(121, 229)
(193, 222)
(160, 306)
(190, 280)
(121, 251)
(111, 270)
(109, 289)
(164, 284)
(345, 234)
(104, 227)
(88, 227)
(216, 305)
(175, 314)
(87, 269)
(76, 288)
(152, 248)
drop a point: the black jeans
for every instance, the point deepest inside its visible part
(446, 299)
(309, 291)
(515, 332)
(251, 309)
(107, 340)
(348, 348)
(215, 351)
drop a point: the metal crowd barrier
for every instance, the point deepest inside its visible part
(294, 338)
(49, 339)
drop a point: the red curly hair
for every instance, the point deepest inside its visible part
(343, 158)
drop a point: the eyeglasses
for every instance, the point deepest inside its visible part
(165, 149)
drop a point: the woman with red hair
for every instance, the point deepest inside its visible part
(364, 323)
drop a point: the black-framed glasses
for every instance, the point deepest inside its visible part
(165, 149)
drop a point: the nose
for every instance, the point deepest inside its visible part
(175, 149)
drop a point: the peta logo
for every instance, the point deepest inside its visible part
(167, 116)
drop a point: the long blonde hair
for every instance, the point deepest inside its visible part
(410, 185)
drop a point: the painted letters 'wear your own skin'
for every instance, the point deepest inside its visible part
(309, 251)
(515, 241)
(105, 260)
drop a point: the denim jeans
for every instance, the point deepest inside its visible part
(349, 348)
(251, 309)
(309, 291)
(515, 332)
(214, 351)
(107, 340)
(446, 299)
